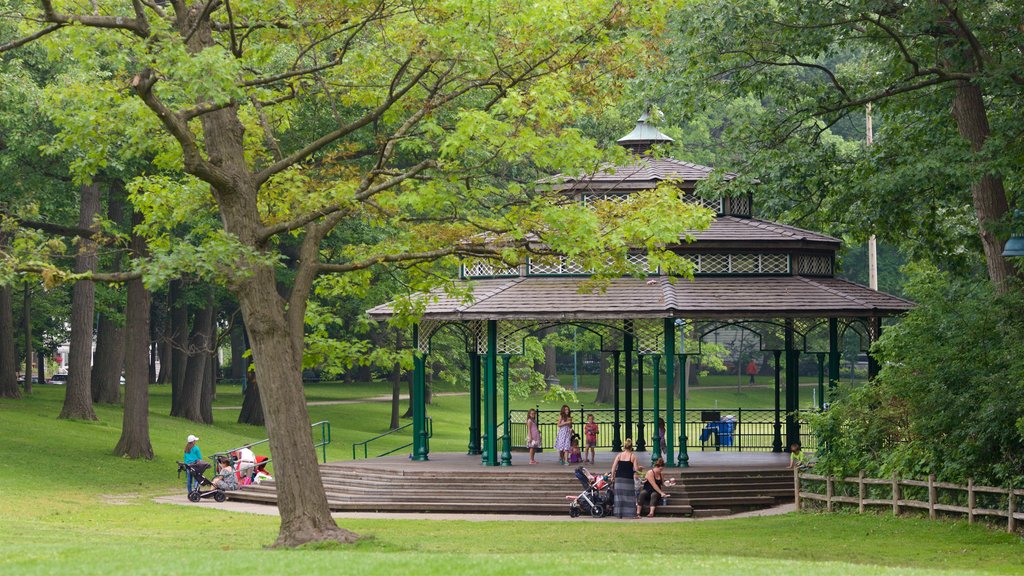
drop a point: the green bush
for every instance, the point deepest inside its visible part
(949, 398)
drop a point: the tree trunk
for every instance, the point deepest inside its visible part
(550, 365)
(210, 376)
(178, 344)
(990, 205)
(26, 323)
(163, 353)
(78, 392)
(252, 407)
(8, 352)
(108, 359)
(396, 385)
(153, 355)
(605, 381)
(305, 515)
(275, 344)
(238, 362)
(40, 362)
(135, 442)
(192, 388)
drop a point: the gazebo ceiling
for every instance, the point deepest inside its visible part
(559, 298)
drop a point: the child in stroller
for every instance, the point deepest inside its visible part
(596, 498)
(197, 481)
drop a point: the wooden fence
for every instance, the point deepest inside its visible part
(941, 496)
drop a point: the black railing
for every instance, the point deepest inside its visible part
(736, 430)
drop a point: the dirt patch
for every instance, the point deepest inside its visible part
(119, 499)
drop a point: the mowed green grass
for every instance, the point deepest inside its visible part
(70, 507)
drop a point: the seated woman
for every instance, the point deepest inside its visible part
(225, 478)
(654, 488)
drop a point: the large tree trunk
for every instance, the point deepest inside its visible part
(275, 335)
(305, 515)
(209, 391)
(26, 328)
(108, 359)
(238, 362)
(78, 393)
(40, 366)
(550, 365)
(134, 442)
(605, 382)
(190, 401)
(252, 407)
(178, 344)
(163, 354)
(990, 203)
(8, 353)
(396, 385)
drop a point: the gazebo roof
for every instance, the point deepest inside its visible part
(559, 298)
(642, 174)
(726, 229)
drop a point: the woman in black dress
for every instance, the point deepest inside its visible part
(654, 488)
(623, 470)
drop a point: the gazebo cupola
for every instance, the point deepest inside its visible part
(643, 137)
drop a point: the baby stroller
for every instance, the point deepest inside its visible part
(596, 498)
(196, 481)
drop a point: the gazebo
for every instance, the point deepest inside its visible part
(775, 281)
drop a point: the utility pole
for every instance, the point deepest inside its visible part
(872, 245)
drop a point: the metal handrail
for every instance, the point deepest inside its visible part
(365, 443)
(325, 439)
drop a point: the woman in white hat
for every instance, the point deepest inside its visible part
(193, 456)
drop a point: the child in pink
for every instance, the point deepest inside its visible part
(590, 434)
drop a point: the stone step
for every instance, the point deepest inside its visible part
(414, 506)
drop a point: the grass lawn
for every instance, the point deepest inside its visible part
(70, 507)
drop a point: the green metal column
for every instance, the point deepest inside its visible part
(833, 356)
(640, 444)
(617, 425)
(656, 448)
(792, 387)
(777, 440)
(627, 344)
(506, 437)
(821, 380)
(491, 396)
(670, 384)
(474, 403)
(419, 409)
(684, 456)
(873, 365)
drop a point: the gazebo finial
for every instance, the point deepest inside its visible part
(640, 140)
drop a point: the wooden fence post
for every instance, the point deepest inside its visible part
(933, 494)
(860, 492)
(971, 501)
(828, 493)
(1011, 522)
(796, 487)
(895, 495)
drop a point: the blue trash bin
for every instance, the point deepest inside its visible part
(726, 429)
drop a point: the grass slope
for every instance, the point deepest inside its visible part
(70, 507)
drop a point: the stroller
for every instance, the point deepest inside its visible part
(196, 481)
(596, 498)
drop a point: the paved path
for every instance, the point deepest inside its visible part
(270, 510)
